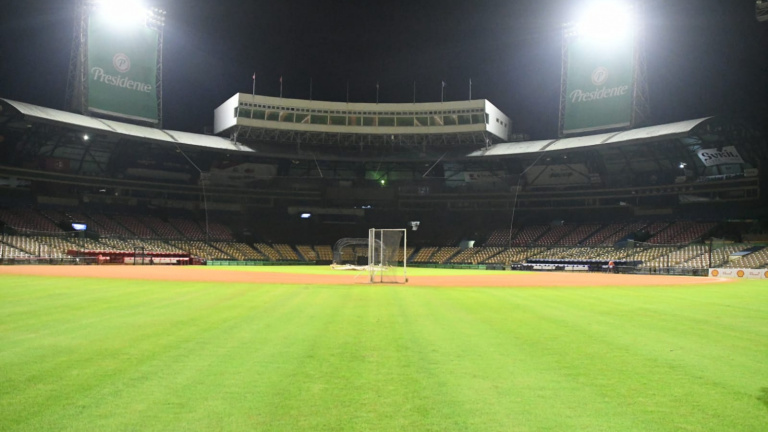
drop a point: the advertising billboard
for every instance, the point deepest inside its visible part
(723, 156)
(599, 80)
(122, 69)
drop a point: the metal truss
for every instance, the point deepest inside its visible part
(640, 101)
(761, 10)
(563, 82)
(159, 75)
(77, 82)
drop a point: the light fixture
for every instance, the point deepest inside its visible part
(129, 12)
(122, 12)
(604, 21)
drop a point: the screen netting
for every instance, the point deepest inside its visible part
(351, 253)
(386, 255)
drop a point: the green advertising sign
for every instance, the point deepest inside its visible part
(599, 85)
(122, 70)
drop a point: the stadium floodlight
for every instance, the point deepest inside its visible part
(122, 11)
(79, 226)
(305, 215)
(129, 12)
(605, 21)
(86, 137)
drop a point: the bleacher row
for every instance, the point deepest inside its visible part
(113, 226)
(21, 246)
(668, 243)
(693, 256)
(599, 235)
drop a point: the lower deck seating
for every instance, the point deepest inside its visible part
(268, 251)
(424, 255)
(238, 251)
(324, 252)
(286, 252)
(307, 252)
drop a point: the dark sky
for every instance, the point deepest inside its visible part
(705, 57)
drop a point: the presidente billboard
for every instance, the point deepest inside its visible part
(122, 69)
(599, 85)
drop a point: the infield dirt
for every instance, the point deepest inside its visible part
(481, 279)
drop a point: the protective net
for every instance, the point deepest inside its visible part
(386, 262)
(351, 252)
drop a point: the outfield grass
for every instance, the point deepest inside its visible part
(106, 355)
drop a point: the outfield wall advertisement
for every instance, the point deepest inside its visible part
(739, 273)
(599, 85)
(122, 70)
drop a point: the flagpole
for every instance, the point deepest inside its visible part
(442, 92)
(254, 85)
(377, 92)
(470, 89)
(281, 86)
(310, 88)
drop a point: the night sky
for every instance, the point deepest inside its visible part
(705, 57)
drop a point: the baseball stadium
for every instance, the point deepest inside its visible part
(326, 265)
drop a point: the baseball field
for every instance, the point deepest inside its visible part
(121, 348)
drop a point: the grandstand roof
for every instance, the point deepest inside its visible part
(126, 129)
(635, 136)
(619, 139)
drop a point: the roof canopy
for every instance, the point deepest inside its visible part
(125, 129)
(635, 136)
(649, 134)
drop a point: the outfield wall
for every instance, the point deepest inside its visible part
(739, 273)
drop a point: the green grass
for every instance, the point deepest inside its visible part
(106, 355)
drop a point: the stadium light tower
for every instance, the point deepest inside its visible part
(603, 84)
(605, 21)
(116, 65)
(125, 11)
(129, 12)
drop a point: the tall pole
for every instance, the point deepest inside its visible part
(442, 92)
(281, 86)
(253, 92)
(470, 89)
(377, 92)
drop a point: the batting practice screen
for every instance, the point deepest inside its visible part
(386, 255)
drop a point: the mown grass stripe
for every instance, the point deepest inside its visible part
(85, 354)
